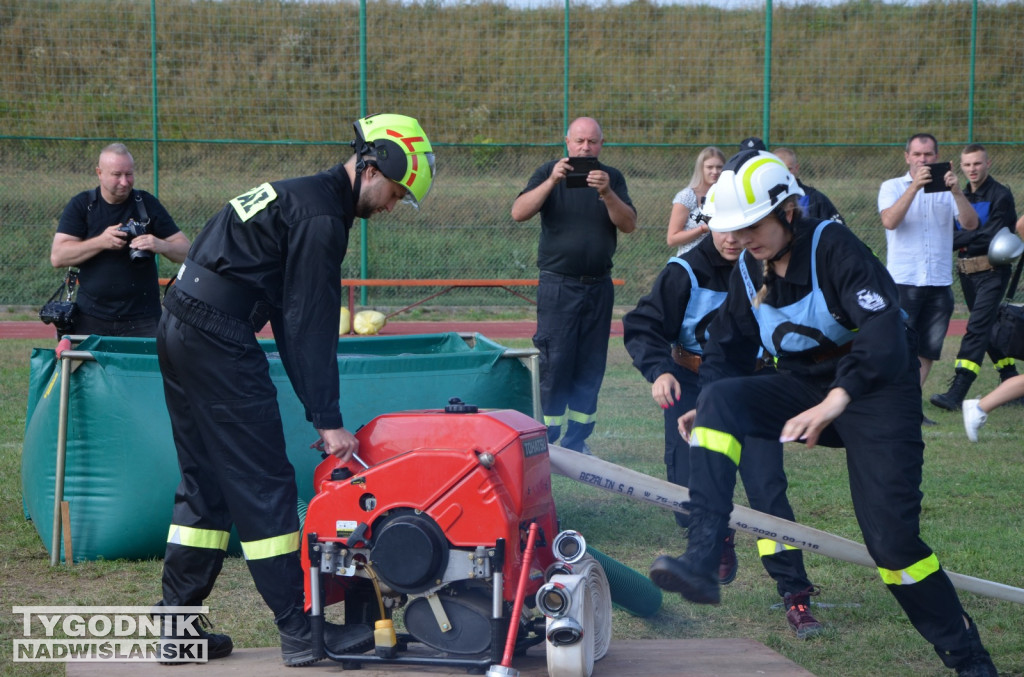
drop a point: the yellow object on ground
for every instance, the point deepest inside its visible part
(368, 322)
(346, 322)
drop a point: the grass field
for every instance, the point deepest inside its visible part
(972, 517)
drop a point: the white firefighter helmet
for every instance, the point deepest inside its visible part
(753, 184)
(1004, 248)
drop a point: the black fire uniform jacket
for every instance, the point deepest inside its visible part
(880, 427)
(984, 290)
(274, 252)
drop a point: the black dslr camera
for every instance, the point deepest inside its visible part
(60, 310)
(133, 229)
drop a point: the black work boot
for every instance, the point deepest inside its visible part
(953, 399)
(979, 662)
(694, 575)
(974, 661)
(180, 632)
(297, 638)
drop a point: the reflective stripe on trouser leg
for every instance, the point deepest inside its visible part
(764, 480)
(932, 605)
(885, 455)
(1004, 363)
(554, 424)
(193, 559)
(578, 429)
(727, 412)
(967, 365)
(231, 451)
(590, 357)
(555, 340)
(198, 538)
(983, 292)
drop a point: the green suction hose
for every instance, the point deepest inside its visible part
(630, 589)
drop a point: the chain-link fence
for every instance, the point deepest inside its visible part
(214, 97)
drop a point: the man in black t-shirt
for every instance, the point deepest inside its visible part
(580, 224)
(119, 292)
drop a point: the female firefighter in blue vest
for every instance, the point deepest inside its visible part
(819, 300)
(665, 335)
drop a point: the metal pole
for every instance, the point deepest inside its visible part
(62, 448)
(66, 358)
(364, 246)
(970, 74)
(766, 120)
(156, 104)
(530, 358)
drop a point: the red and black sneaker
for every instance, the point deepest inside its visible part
(798, 613)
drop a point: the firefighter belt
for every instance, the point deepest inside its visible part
(973, 264)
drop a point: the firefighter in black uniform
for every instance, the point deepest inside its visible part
(665, 335)
(984, 285)
(820, 301)
(579, 229)
(273, 253)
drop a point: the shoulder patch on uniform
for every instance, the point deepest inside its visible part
(870, 300)
(252, 201)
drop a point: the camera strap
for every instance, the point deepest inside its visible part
(71, 284)
(143, 215)
(94, 196)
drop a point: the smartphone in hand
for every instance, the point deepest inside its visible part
(580, 167)
(938, 182)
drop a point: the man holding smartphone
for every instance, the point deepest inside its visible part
(583, 205)
(919, 227)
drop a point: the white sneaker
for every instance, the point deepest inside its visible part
(974, 418)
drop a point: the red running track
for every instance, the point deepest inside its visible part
(503, 329)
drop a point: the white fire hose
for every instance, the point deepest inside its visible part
(591, 607)
(632, 484)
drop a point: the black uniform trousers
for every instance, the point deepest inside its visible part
(574, 317)
(983, 292)
(764, 481)
(234, 469)
(884, 454)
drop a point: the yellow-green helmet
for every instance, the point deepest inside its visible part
(399, 147)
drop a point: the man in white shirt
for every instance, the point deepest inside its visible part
(919, 239)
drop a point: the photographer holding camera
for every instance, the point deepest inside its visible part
(111, 234)
(583, 206)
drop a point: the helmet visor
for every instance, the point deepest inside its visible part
(418, 179)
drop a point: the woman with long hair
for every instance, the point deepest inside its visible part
(685, 227)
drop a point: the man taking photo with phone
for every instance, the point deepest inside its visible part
(579, 230)
(919, 228)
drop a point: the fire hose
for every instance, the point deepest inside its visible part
(632, 484)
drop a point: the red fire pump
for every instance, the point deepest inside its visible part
(432, 518)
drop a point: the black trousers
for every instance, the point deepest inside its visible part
(764, 481)
(884, 455)
(983, 292)
(573, 326)
(234, 469)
